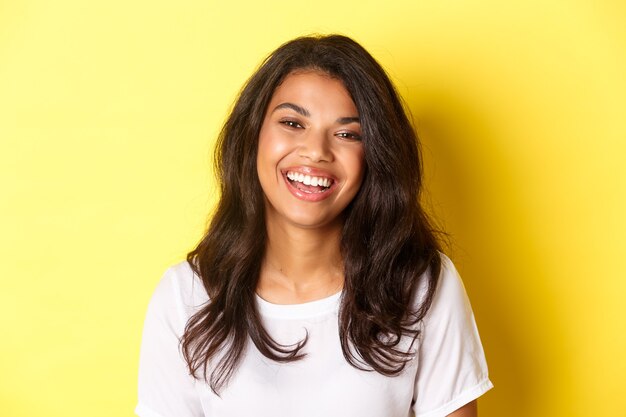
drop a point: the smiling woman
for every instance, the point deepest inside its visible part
(319, 287)
(310, 151)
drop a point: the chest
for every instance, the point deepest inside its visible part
(321, 384)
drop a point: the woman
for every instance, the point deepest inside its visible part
(319, 288)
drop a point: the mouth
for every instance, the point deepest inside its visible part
(309, 187)
(308, 183)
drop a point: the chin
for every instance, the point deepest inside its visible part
(308, 221)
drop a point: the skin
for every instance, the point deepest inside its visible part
(311, 123)
(468, 410)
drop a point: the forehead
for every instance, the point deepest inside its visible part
(313, 88)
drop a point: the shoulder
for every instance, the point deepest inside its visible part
(449, 283)
(452, 368)
(450, 311)
(178, 294)
(165, 387)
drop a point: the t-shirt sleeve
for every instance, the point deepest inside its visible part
(165, 387)
(452, 369)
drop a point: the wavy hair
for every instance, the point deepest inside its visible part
(388, 243)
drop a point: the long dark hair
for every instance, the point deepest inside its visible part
(387, 242)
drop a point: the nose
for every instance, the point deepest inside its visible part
(316, 147)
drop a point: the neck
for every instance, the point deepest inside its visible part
(300, 264)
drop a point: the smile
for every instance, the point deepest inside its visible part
(319, 182)
(309, 187)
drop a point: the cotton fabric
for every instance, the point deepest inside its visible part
(447, 371)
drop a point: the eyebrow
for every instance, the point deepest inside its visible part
(300, 110)
(348, 120)
(304, 112)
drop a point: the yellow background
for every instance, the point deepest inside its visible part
(108, 112)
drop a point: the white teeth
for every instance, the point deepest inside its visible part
(309, 180)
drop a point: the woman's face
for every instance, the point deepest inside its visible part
(310, 159)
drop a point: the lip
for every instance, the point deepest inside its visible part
(312, 197)
(307, 170)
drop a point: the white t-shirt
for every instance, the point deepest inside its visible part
(448, 371)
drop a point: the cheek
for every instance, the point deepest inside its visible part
(271, 146)
(355, 163)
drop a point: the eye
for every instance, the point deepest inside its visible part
(348, 135)
(291, 123)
